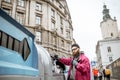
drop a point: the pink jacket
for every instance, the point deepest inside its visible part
(82, 68)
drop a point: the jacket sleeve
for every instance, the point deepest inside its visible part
(66, 61)
(83, 65)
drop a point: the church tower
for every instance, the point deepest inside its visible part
(108, 26)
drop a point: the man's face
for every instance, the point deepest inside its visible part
(75, 50)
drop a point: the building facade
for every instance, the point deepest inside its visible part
(48, 20)
(108, 49)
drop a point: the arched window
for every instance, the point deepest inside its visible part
(112, 34)
(109, 49)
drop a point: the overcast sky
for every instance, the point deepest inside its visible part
(86, 17)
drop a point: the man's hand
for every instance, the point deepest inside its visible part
(56, 57)
(74, 62)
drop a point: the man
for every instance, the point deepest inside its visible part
(79, 64)
(100, 71)
(107, 73)
(95, 73)
(104, 74)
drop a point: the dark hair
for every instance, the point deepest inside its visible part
(75, 45)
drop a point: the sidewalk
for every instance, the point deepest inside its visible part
(113, 79)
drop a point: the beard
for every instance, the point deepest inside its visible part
(75, 54)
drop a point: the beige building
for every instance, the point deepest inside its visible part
(48, 20)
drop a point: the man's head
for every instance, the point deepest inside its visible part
(75, 49)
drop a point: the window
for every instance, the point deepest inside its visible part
(21, 3)
(7, 1)
(38, 20)
(112, 34)
(110, 59)
(7, 11)
(52, 25)
(109, 49)
(68, 34)
(61, 30)
(54, 40)
(62, 43)
(52, 1)
(61, 20)
(68, 46)
(20, 17)
(52, 13)
(38, 36)
(60, 6)
(39, 6)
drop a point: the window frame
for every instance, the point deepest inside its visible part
(38, 21)
(38, 6)
(20, 17)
